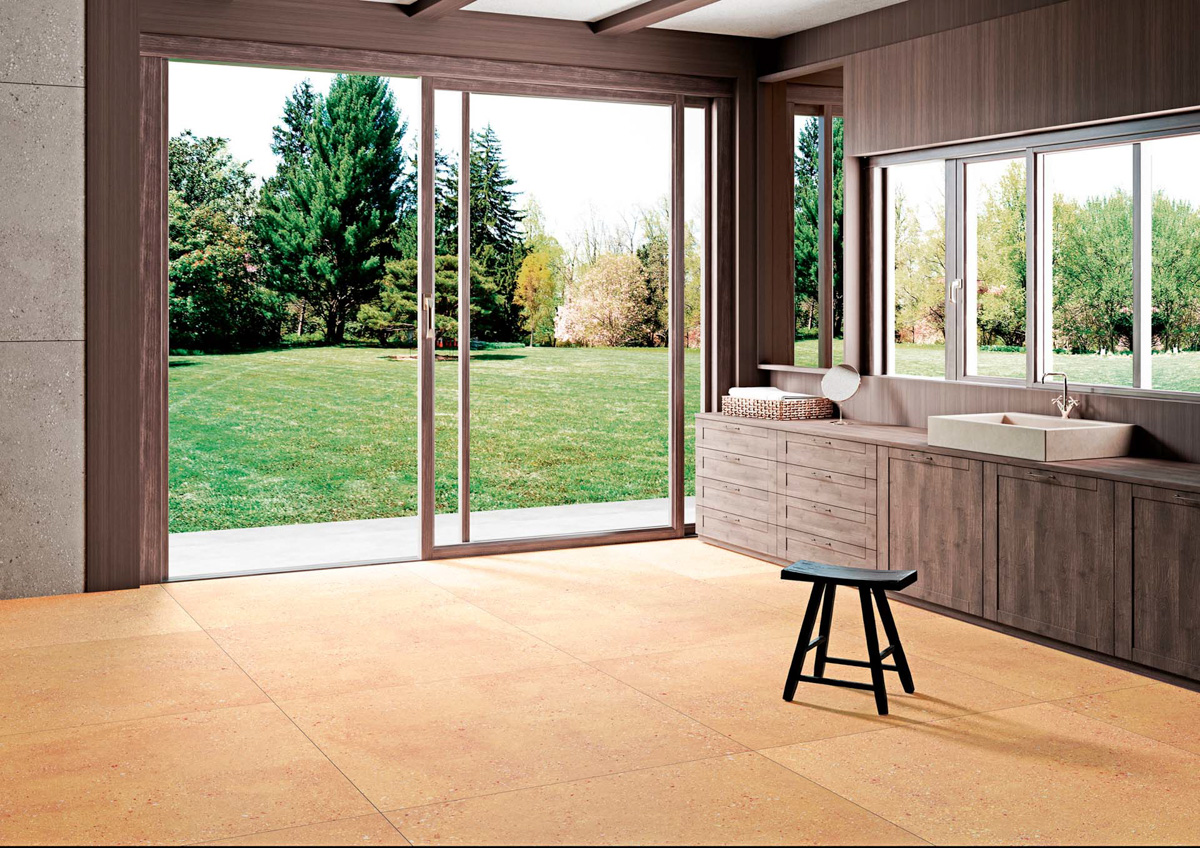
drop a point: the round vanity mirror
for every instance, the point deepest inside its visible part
(839, 385)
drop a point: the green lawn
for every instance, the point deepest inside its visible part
(329, 434)
(1172, 372)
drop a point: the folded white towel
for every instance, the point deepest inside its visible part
(765, 393)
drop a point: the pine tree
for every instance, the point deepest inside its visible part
(807, 206)
(289, 141)
(495, 237)
(331, 222)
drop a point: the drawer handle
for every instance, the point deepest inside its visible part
(1041, 475)
(733, 518)
(1188, 499)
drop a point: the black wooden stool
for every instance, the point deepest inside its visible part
(825, 580)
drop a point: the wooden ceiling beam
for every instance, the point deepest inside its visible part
(427, 10)
(645, 14)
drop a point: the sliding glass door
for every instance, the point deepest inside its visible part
(564, 263)
(404, 316)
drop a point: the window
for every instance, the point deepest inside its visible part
(1089, 206)
(994, 261)
(916, 269)
(817, 236)
(1102, 283)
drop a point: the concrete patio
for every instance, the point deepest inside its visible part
(223, 553)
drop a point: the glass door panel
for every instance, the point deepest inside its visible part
(994, 268)
(569, 366)
(292, 381)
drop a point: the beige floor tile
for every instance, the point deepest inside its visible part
(737, 800)
(327, 656)
(417, 745)
(738, 690)
(1041, 672)
(618, 622)
(1161, 711)
(545, 578)
(695, 559)
(1036, 774)
(300, 596)
(364, 830)
(30, 622)
(79, 683)
(172, 779)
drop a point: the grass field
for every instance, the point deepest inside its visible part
(329, 434)
(1178, 372)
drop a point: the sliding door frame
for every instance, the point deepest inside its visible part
(715, 95)
(676, 526)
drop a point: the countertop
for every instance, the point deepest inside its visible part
(1142, 471)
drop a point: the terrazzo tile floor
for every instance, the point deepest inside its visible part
(616, 695)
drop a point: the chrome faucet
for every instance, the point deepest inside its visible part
(1064, 403)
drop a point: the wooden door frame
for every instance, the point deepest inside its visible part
(128, 554)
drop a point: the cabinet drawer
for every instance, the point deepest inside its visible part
(1050, 478)
(831, 522)
(748, 533)
(736, 498)
(752, 471)
(826, 487)
(794, 545)
(940, 460)
(829, 454)
(732, 437)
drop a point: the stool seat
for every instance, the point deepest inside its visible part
(844, 575)
(872, 585)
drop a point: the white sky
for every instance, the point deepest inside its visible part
(578, 159)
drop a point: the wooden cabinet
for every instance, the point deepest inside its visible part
(1049, 562)
(1113, 567)
(935, 525)
(1158, 578)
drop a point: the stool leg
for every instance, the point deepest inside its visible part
(826, 621)
(864, 596)
(806, 629)
(889, 627)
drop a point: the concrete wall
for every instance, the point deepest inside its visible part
(41, 296)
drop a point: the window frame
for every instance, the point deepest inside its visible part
(1038, 248)
(826, 112)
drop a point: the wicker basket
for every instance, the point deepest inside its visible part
(778, 410)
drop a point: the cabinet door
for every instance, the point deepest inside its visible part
(935, 525)
(1158, 601)
(1050, 568)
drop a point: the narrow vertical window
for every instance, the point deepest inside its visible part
(916, 269)
(994, 274)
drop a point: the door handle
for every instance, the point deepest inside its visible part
(430, 329)
(955, 285)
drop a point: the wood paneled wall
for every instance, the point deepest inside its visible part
(776, 324)
(1068, 63)
(888, 25)
(114, 367)
(357, 25)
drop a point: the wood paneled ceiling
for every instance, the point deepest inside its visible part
(750, 18)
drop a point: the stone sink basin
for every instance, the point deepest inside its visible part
(1045, 438)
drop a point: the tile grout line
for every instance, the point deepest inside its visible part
(297, 827)
(1059, 704)
(292, 721)
(553, 783)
